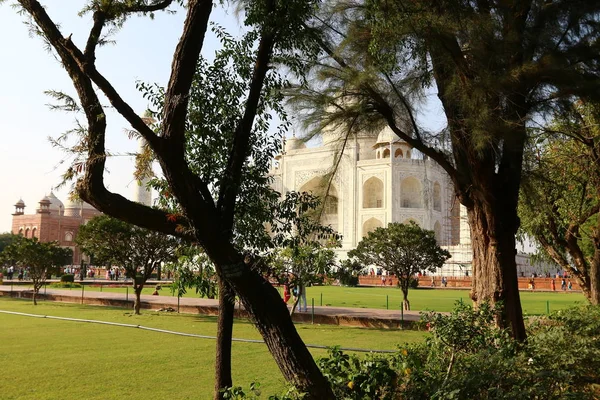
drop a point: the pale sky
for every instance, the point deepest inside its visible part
(29, 165)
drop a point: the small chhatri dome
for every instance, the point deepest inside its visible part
(294, 143)
(45, 200)
(387, 136)
(20, 203)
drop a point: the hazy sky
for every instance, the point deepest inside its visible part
(29, 165)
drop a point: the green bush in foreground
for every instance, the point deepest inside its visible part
(67, 278)
(467, 357)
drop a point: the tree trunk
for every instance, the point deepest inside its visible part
(494, 265)
(224, 335)
(272, 319)
(405, 301)
(595, 268)
(137, 304)
(34, 296)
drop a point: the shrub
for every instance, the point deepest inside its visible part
(348, 272)
(467, 357)
(67, 278)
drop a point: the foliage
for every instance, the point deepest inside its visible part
(353, 377)
(139, 251)
(493, 68)
(403, 250)
(40, 258)
(561, 194)
(67, 278)
(193, 270)
(349, 271)
(5, 240)
(113, 242)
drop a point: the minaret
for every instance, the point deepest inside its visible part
(143, 194)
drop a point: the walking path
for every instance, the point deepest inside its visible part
(366, 317)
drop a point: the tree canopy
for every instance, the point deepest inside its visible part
(403, 250)
(560, 198)
(494, 67)
(139, 251)
(204, 215)
(39, 258)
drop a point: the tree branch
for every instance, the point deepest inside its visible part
(182, 73)
(239, 151)
(91, 187)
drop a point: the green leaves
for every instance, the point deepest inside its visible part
(113, 242)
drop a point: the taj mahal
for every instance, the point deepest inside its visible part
(379, 180)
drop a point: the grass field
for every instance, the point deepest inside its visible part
(46, 359)
(534, 303)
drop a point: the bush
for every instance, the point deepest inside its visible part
(414, 283)
(67, 278)
(467, 357)
(348, 272)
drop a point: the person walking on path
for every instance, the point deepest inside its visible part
(301, 289)
(563, 284)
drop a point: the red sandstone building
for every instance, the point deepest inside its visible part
(54, 221)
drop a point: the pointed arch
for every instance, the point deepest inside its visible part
(370, 225)
(411, 193)
(437, 197)
(34, 232)
(386, 153)
(373, 193)
(317, 186)
(398, 153)
(26, 232)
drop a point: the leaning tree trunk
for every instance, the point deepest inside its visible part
(224, 336)
(494, 265)
(272, 319)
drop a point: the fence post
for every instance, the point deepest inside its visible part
(44, 288)
(313, 310)
(178, 297)
(321, 299)
(387, 302)
(547, 306)
(82, 291)
(101, 287)
(126, 294)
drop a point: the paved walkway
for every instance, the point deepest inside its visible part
(366, 317)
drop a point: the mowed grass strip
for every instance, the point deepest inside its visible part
(421, 299)
(53, 359)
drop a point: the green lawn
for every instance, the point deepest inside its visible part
(534, 303)
(430, 299)
(53, 359)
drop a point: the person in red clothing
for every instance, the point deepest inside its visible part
(286, 293)
(553, 285)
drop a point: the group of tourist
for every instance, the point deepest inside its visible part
(10, 272)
